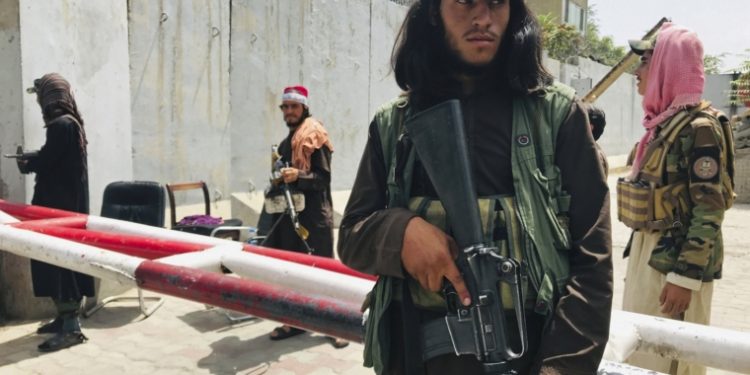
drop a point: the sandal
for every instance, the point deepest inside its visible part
(282, 333)
(338, 343)
(62, 341)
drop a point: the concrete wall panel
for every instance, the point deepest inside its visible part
(87, 43)
(11, 134)
(338, 49)
(11, 99)
(620, 102)
(179, 75)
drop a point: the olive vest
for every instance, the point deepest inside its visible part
(539, 207)
(652, 202)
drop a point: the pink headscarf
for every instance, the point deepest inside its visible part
(675, 81)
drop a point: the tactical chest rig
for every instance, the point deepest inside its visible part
(654, 202)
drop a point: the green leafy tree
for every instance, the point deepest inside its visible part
(740, 92)
(563, 41)
(712, 64)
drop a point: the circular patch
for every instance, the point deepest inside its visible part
(523, 140)
(706, 167)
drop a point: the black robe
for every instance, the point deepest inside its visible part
(61, 182)
(317, 217)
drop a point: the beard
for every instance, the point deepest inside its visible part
(294, 124)
(455, 63)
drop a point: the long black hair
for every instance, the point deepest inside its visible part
(421, 59)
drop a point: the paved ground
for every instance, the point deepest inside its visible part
(185, 338)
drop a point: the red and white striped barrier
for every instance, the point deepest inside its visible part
(309, 292)
(304, 291)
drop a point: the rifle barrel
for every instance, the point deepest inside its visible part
(622, 66)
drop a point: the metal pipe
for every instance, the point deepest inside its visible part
(309, 260)
(139, 246)
(710, 346)
(119, 226)
(207, 260)
(298, 277)
(67, 254)
(98, 223)
(319, 314)
(78, 222)
(31, 212)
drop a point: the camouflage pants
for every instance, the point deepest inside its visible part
(643, 285)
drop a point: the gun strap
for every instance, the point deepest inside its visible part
(436, 340)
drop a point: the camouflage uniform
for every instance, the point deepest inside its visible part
(690, 253)
(694, 249)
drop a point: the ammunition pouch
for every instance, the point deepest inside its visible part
(641, 205)
(275, 202)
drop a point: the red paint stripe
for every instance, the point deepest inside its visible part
(308, 260)
(266, 301)
(143, 247)
(30, 212)
(76, 222)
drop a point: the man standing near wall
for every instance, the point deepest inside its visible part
(522, 131)
(61, 182)
(682, 171)
(306, 158)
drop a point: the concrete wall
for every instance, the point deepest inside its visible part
(620, 102)
(717, 89)
(179, 78)
(191, 122)
(11, 126)
(344, 64)
(11, 94)
(87, 43)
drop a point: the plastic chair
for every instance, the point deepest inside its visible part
(139, 202)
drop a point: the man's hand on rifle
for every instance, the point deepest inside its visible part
(428, 256)
(289, 174)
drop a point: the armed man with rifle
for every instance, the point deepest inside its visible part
(305, 167)
(481, 204)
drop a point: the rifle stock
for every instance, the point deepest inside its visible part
(480, 329)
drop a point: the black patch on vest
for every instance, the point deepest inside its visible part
(705, 165)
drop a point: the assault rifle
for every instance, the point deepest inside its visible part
(22, 156)
(291, 210)
(621, 67)
(480, 329)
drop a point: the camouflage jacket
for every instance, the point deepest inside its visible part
(694, 250)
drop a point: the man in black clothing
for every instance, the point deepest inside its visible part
(486, 54)
(61, 182)
(306, 151)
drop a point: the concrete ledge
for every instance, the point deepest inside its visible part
(248, 206)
